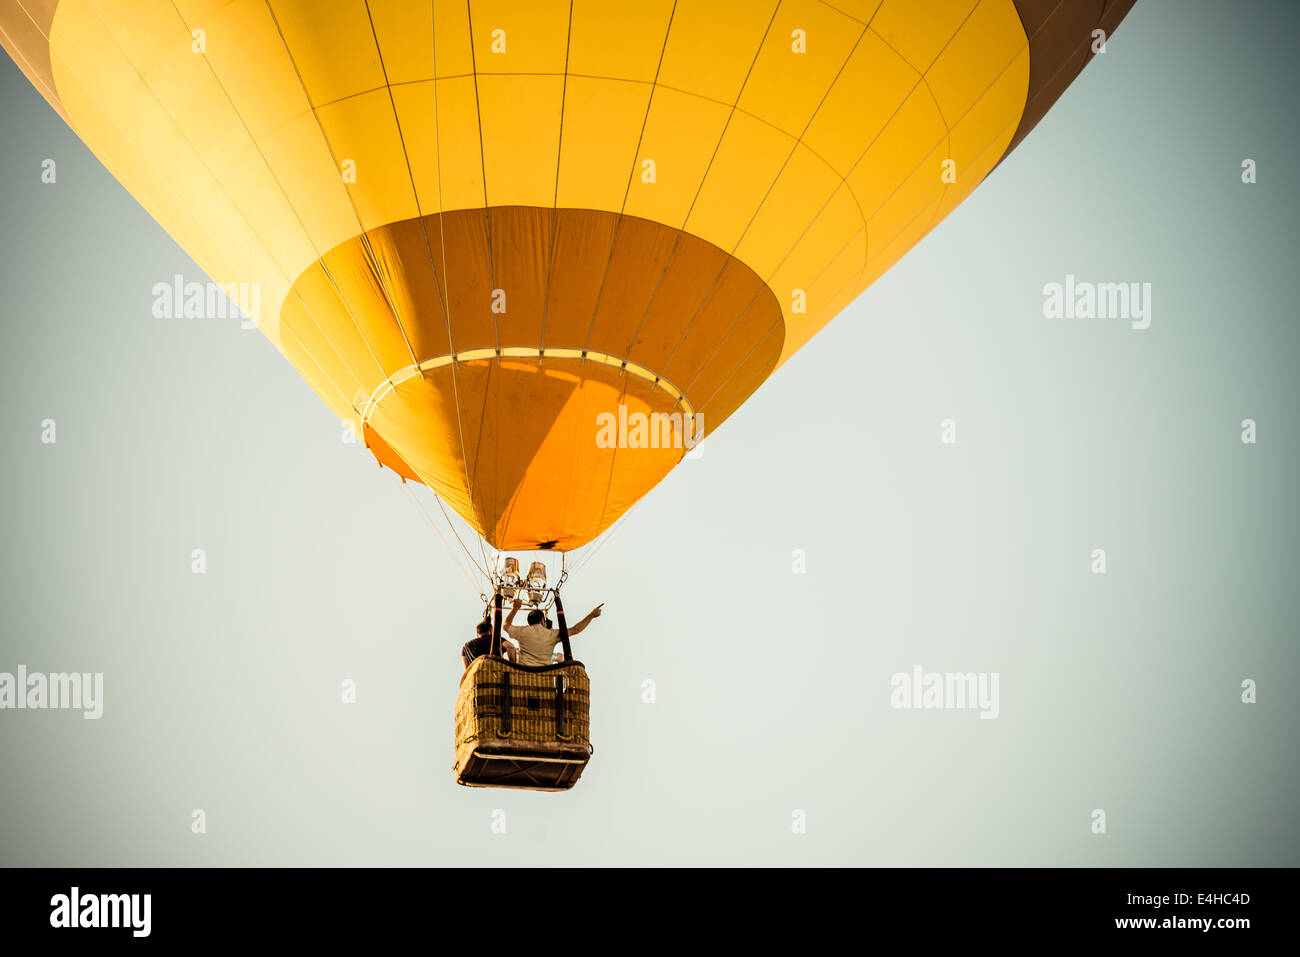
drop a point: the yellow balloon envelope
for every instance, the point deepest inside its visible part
(534, 250)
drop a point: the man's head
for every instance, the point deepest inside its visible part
(535, 617)
(484, 628)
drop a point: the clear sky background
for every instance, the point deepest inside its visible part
(1119, 692)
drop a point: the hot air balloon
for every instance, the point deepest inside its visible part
(506, 239)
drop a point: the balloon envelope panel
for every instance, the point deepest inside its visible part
(481, 229)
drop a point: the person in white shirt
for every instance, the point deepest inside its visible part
(537, 640)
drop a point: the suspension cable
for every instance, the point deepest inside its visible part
(428, 520)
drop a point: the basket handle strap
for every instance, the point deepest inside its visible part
(505, 702)
(559, 705)
(564, 628)
(495, 648)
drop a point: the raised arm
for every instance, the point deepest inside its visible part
(510, 618)
(594, 613)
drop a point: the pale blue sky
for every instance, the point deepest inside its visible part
(1119, 692)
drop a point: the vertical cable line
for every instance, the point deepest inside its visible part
(419, 208)
(482, 163)
(618, 223)
(444, 288)
(324, 267)
(492, 272)
(406, 157)
(758, 208)
(348, 400)
(550, 258)
(681, 230)
(613, 459)
(555, 201)
(365, 240)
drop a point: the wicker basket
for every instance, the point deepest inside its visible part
(521, 727)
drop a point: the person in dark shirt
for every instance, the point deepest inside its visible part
(481, 644)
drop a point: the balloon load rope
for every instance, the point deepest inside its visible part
(428, 520)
